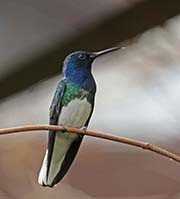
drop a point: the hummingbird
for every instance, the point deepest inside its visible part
(72, 106)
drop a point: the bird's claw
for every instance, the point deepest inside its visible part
(64, 128)
(84, 130)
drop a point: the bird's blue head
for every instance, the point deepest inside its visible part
(78, 65)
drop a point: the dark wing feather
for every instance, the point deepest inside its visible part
(54, 113)
(55, 107)
(91, 100)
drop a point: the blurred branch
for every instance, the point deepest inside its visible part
(101, 135)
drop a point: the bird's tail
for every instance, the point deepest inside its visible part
(61, 151)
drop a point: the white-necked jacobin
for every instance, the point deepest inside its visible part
(72, 106)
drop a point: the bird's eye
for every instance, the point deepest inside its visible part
(82, 56)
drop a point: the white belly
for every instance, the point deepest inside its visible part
(75, 114)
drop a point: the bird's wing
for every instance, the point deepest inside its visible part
(56, 104)
(91, 99)
(54, 113)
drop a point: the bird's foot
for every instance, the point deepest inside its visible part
(64, 128)
(84, 130)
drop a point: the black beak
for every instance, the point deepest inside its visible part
(97, 54)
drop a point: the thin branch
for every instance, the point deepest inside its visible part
(101, 135)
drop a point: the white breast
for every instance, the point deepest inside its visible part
(76, 113)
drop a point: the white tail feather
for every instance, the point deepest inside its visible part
(43, 171)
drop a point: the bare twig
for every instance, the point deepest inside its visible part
(136, 143)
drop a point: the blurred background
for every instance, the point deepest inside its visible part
(138, 95)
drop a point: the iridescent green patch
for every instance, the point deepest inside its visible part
(72, 91)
